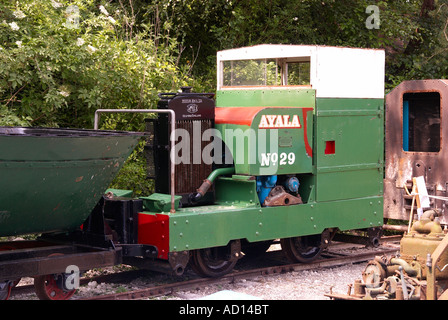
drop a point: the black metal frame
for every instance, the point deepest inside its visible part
(188, 107)
(36, 258)
(108, 235)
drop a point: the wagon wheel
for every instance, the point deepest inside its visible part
(5, 290)
(6, 286)
(214, 262)
(302, 249)
(50, 286)
(47, 288)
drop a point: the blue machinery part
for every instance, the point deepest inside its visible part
(405, 125)
(264, 186)
(292, 184)
(266, 183)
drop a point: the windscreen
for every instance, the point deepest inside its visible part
(265, 72)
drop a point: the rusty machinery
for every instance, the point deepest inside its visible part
(415, 146)
(419, 272)
(414, 153)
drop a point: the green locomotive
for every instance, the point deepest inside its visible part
(302, 130)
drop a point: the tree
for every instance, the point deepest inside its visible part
(60, 61)
(410, 31)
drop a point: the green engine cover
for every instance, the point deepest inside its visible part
(268, 132)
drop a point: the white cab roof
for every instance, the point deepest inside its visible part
(336, 72)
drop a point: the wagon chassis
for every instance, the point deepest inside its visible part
(54, 257)
(44, 258)
(25, 258)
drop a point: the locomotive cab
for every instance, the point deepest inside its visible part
(307, 107)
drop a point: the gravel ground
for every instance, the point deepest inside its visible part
(300, 285)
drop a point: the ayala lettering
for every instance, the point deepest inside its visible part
(277, 121)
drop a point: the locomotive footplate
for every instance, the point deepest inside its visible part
(35, 258)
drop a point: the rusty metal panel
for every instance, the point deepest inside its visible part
(190, 175)
(415, 144)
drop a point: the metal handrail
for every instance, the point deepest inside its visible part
(173, 127)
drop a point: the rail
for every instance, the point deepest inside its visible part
(170, 288)
(173, 127)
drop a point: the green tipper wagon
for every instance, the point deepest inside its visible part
(51, 179)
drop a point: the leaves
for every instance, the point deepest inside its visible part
(56, 69)
(209, 26)
(61, 60)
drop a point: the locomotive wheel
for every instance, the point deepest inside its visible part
(302, 249)
(48, 287)
(209, 263)
(213, 262)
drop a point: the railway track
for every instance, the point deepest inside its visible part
(274, 263)
(329, 259)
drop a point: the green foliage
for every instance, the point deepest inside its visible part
(133, 174)
(57, 67)
(55, 70)
(412, 32)
(61, 60)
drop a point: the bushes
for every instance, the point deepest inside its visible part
(59, 63)
(61, 60)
